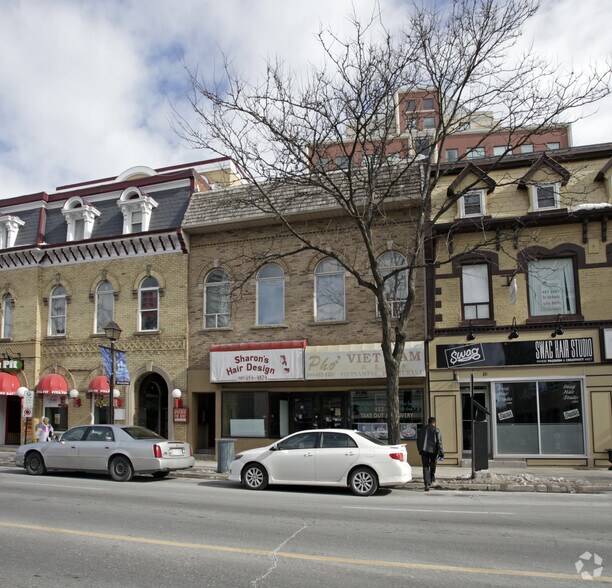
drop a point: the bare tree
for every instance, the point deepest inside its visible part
(336, 137)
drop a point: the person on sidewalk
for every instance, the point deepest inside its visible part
(44, 431)
(429, 444)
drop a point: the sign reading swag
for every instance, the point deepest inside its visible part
(255, 362)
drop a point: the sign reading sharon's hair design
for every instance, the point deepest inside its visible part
(544, 351)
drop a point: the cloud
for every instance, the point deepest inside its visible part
(86, 86)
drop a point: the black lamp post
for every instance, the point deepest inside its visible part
(112, 332)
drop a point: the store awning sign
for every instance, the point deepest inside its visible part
(340, 362)
(257, 362)
(539, 352)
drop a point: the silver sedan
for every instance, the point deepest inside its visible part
(120, 451)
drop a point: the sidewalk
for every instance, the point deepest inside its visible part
(550, 479)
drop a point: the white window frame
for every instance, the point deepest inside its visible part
(553, 146)
(107, 295)
(482, 212)
(7, 316)
(142, 288)
(429, 122)
(472, 301)
(395, 304)
(527, 148)
(320, 275)
(208, 286)
(261, 282)
(64, 297)
(76, 209)
(454, 150)
(533, 189)
(475, 153)
(134, 200)
(500, 150)
(9, 227)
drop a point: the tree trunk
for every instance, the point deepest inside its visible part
(393, 412)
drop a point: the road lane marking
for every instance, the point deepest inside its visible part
(302, 556)
(481, 512)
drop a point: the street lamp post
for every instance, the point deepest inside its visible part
(113, 332)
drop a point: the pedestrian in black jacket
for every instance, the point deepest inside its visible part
(429, 444)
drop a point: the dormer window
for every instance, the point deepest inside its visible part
(544, 196)
(136, 207)
(472, 203)
(9, 227)
(80, 217)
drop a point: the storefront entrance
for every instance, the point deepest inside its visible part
(314, 411)
(153, 404)
(12, 411)
(481, 396)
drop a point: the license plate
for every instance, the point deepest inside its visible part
(177, 452)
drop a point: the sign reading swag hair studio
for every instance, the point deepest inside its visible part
(545, 351)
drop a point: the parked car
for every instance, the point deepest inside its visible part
(121, 451)
(324, 457)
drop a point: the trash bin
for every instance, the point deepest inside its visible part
(225, 454)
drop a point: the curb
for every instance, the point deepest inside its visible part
(557, 486)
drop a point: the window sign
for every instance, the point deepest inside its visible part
(539, 418)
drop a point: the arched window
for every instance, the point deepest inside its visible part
(105, 305)
(396, 285)
(329, 291)
(216, 300)
(271, 295)
(7, 316)
(148, 305)
(57, 311)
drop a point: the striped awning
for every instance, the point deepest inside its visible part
(52, 384)
(9, 384)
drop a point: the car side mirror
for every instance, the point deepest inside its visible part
(274, 448)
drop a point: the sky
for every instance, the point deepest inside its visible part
(87, 86)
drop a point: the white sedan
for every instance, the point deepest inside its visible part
(120, 451)
(324, 457)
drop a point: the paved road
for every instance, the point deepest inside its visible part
(81, 530)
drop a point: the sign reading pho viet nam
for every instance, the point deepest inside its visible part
(257, 362)
(339, 362)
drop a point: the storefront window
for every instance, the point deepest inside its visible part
(245, 414)
(539, 418)
(369, 412)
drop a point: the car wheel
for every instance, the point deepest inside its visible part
(255, 477)
(363, 482)
(121, 469)
(35, 464)
(160, 474)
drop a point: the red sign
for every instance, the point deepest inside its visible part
(181, 415)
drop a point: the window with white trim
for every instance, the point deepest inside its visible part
(271, 295)
(544, 196)
(475, 291)
(429, 122)
(393, 267)
(9, 227)
(7, 316)
(80, 217)
(472, 203)
(329, 291)
(148, 305)
(553, 146)
(57, 311)
(217, 300)
(475, 153)
(551, 287)
(527, 148)
(452, 154)
(105, 305)
(137, 208)
(499, 150)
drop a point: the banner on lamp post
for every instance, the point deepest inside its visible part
(122, 375)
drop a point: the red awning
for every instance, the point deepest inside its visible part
(99, 385)
(9, 383)
(52, 384)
